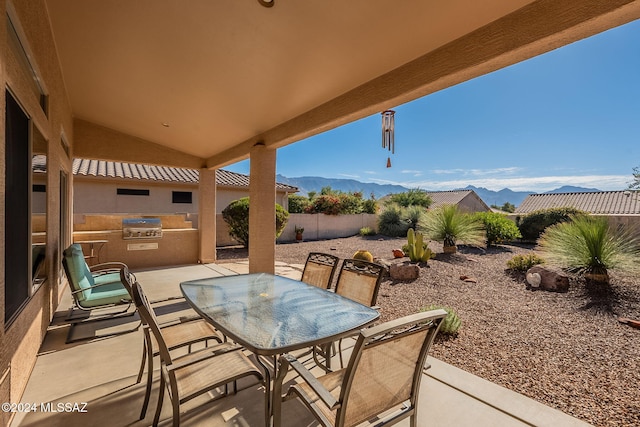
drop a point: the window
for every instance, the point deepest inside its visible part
(132, 192)
(18, 213)
(181, 197)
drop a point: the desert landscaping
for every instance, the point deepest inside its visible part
(566, 350)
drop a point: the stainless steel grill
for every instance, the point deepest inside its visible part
(141, 228)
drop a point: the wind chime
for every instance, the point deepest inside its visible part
(388, 131)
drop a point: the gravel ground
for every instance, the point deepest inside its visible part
(566, 350)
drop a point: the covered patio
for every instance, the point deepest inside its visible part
(102, 373)
(204, 84)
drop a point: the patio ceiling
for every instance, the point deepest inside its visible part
(225, 74)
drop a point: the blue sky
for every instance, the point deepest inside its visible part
(568, 117)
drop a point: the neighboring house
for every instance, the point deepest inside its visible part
(621, 207)
(467, 200)
(116, 187)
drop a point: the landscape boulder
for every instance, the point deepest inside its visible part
(548, 279)
(404, 271)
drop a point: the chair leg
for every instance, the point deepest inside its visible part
(175, 402)
(156, 417)
(144, 361)
(147, 392)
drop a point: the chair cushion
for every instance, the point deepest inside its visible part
(109, 291)
(77, 268)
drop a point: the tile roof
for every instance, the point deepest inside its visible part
(452, 197)
(602, 202)
(121, 170)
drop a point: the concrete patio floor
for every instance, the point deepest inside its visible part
(102, 374)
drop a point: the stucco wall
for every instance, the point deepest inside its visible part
(19, 341)
(100, 196)
(321, 226)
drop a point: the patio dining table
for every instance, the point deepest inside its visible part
(271, 315)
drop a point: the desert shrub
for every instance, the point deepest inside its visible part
(498, 228)
(326, 204)
(370, 206)
(367, 231)
(524, 262)
(350, 203)
(414, 216)
(297, 203)
(533, 225)
(451, 323)
(334, 202)
(447, 224)
(588, 244)
(236, 215)
(391, 223)
(413, 197)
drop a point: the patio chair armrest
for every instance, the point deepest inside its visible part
(89, 287)
(307, 376)
(107, 267)
(204, 354)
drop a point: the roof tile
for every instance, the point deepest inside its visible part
(602, 202)
(107, 169)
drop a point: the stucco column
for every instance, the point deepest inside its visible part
(262, 211)
(207, 216)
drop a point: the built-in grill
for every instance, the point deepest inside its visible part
(141, 228)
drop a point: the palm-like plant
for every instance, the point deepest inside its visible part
(447, 224)
(588, 245)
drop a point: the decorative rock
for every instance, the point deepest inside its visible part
(397, 253)
(404, 271)
(550, 280)
(468, 279)
(534, 279)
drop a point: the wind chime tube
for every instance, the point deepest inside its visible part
(388, 130)
(388, 133)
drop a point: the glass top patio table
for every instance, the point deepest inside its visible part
(272, 315)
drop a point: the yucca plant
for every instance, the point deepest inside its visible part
(447, 224)
(588, 245)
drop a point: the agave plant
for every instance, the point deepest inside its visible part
(588, 245)
(447, 224)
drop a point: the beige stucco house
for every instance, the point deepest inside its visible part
(101, 186)
(203, 84)
(621, 208)
(466, 200)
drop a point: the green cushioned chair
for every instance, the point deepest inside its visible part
(94, 287)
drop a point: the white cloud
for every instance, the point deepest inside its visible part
(476, 172)
(412, 172)
(349, 176)
(536, 184)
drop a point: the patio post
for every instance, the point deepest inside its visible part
(262, 211)
(207, 216)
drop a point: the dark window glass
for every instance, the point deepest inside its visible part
(132, 192)
(39, 188)
(182, 197)
(17, 213)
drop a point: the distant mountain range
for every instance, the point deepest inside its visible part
(313, 183)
